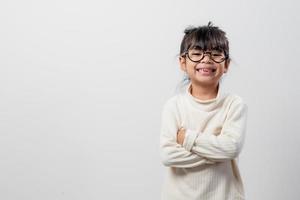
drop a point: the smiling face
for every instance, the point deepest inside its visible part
(205, 72)
(204, 54)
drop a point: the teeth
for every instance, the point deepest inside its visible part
(205, 69)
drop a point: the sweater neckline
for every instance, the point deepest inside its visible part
(206, 105)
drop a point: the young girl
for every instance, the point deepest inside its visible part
(203, 128)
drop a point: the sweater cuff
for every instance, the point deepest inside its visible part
(189, 139)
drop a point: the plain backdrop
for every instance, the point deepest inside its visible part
(82, 84)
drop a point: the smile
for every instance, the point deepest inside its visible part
(206, 71)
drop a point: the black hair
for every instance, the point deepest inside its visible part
(208, 37)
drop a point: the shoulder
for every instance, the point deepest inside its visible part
(236, 98)
(172, 102)
(236, 103)
(229, 98)
(175, 103)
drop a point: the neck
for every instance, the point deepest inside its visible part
(204, 92)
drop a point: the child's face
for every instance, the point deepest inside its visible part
(205, 72)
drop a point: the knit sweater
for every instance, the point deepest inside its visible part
(205, 166)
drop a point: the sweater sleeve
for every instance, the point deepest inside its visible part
(228, 144)
(172, 153)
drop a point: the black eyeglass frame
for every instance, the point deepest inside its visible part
(210, 57)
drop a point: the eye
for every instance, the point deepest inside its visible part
(217, 54)
(197, 52)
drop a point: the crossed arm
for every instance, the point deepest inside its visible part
(185, 148)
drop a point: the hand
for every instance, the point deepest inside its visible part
(180, 136)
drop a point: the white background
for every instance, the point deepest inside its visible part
(82, 84)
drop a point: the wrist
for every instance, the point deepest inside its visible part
(189, 139)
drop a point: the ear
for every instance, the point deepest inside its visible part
(226, 65)
(182, 63)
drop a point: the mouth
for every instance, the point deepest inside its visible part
(206, 69)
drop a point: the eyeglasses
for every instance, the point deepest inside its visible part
(196, 55)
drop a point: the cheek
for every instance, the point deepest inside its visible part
(222, 67)
(191, 67)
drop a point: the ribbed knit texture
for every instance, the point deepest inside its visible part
(205, 166)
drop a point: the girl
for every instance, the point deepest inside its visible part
(203, 128)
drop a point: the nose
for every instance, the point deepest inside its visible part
(206, 57)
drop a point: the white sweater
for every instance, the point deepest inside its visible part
(205, 166)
